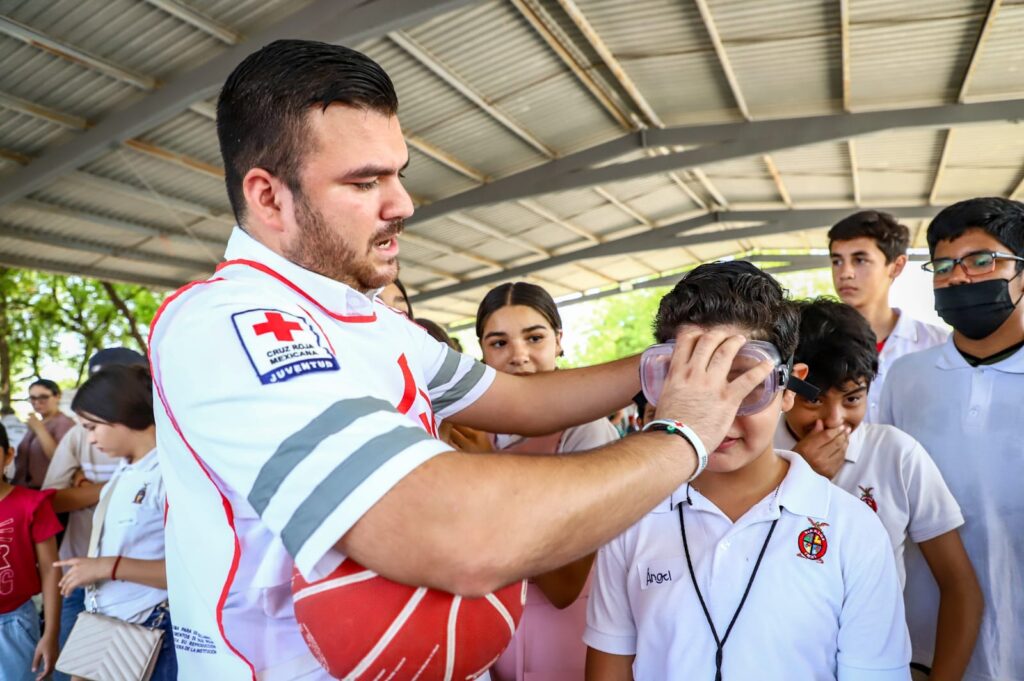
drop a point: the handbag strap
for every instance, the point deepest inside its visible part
(98, 517)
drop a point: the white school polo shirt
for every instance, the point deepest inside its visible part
(892, 474)
(909, 335)
(287, 404)
(74, 452)
(969, 419)
(133, 528)
(825, 603)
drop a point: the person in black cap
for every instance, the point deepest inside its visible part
(78, 472)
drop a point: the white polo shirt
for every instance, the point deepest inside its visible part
(287, 405)
(74, 452)
(836, 615)
(133, 528)
(890, 472)
(969, 420)
(909, 335)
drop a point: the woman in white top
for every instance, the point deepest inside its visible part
(126, 579)
(520, 332)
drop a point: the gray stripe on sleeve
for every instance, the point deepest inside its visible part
(297, 446)
(461, 388)
(447, 370)
(343, 480)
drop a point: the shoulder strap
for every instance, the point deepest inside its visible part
(98, 516)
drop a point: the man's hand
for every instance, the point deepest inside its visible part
(698, 391)
(824, 448)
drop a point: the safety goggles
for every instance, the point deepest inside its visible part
(655, 361)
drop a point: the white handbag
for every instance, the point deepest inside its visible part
(102, 648)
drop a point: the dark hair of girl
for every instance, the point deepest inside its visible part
(5, 441)
(46, 383)
(117, 394)
(518, 293)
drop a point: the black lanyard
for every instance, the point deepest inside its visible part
(693, 577)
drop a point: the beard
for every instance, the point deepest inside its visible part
(320, 249)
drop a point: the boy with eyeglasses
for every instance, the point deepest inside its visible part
(963, 402)
(868, 251)
(759, 568)
(883, 467)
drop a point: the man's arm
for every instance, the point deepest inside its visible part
(554, 400)
(77, 498)
(960, 605)
(603, 666)
(476, 521)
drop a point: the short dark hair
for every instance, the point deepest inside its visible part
(1002, 218)
(117, 393)
(734, 292)
(518, 293)
(891, 237)
(262, 109)
(836, 343)
(46, 383)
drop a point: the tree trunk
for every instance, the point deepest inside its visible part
(122, 307)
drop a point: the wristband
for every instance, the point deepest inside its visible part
(688, 434)
(113, 570)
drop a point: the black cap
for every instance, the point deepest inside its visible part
(108, 356)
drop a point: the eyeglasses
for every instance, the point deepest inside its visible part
(973, 264)
(39, 398)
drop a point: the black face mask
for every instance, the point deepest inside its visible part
(976, 310)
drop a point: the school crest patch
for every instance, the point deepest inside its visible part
(867, 498)
(812, 542)
(282, 345)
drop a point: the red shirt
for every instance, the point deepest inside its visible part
(26, 519)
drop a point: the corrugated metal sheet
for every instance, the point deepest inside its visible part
(433, 180)
(27, 134)
(1000, 67)
(982, 159)
(132, 167)
(189, 134)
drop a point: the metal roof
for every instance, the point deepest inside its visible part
(582, 144)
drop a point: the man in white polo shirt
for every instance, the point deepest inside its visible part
(868, 251)
(883, 467)
(962, 401)
(760, 568)
(299, 414)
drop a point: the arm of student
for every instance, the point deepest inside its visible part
(603, 666)
(873, 643)
(960, 605)
(562, 586)
(61, 471)
(554, 400)
(77, 498)
(85, 571)
(45, 656)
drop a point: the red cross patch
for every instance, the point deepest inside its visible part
(282, 345)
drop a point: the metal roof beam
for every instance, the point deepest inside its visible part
(199, 20)
(736, 140)
(175, 158)
(164, 201)
(421, 55)
(677, 235)
(990, 17)
(340, 21)
(42, 264)
(90, 246)
(23, 106)
(47, 43)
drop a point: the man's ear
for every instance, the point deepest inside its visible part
(800, 370)
(268, 203)
(897, 265)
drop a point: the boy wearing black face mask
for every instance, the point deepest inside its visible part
(963, 402)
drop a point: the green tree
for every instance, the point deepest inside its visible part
(619, 326)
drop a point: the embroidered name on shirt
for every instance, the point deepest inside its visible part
(281, 345)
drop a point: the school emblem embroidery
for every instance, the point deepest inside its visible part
(812, 542)
(867, 498)
(140, 496)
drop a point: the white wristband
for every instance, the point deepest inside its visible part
(688, 434)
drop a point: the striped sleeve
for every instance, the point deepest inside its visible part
(454, 380)
(309, 455)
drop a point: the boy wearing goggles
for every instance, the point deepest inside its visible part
(883, 467)
(963, 402)
(759, 568)
(868, 251)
